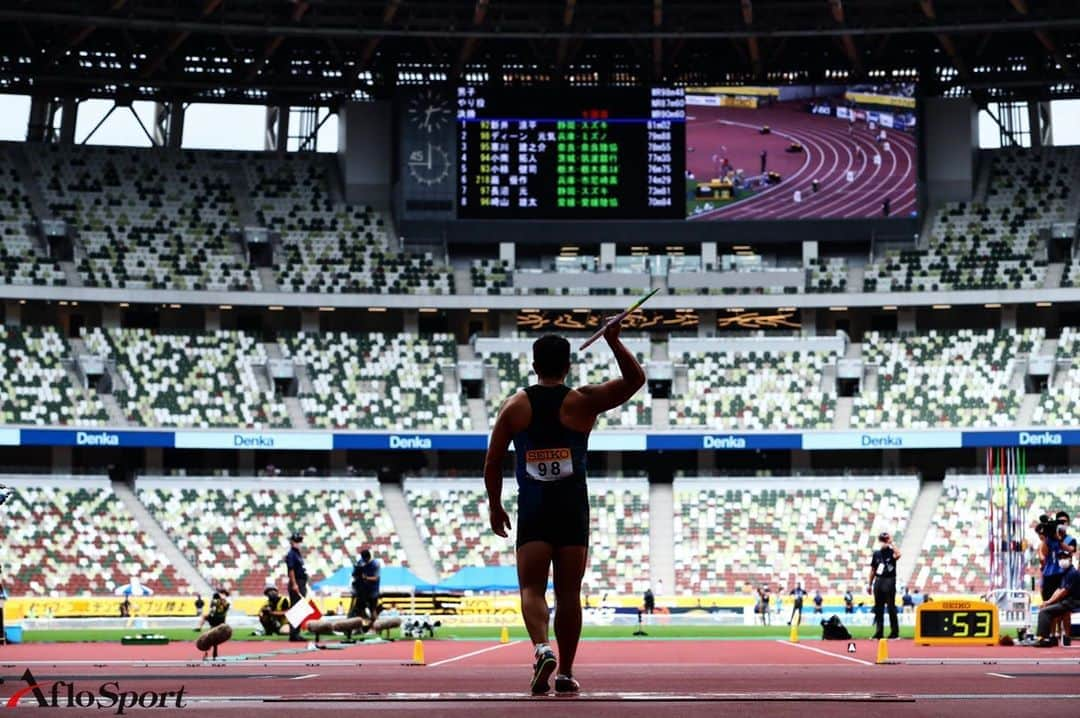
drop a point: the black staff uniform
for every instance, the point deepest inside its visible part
(294, 566)
(883, 566)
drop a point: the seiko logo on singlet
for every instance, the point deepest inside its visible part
(549, 464)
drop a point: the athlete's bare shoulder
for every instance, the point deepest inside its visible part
(578, 409)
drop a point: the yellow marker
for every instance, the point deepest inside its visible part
(882, 651)
(504, 637)
(418, 652)
(794, 637)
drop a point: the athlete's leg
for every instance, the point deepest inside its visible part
(570, 562)
(533, 565)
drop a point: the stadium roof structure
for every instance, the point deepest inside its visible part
(321, 52)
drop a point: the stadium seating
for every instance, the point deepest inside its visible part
(197, 380)
(992, 244)
(19, 262)
(237, 535)
(731, 533)
(491, 276)
(827, 275)
(329, 247)
(959, 378)
(34, 385)
(75, 537)
(451, 515)
(1071, 276)
(145, 219)
(755, 390)
(377, 381)
(1059, 404)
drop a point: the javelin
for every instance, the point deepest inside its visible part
(617, 318)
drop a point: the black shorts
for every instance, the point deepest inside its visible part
(1050, 584)
(215, 621)
(555, 513)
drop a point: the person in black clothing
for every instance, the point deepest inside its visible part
(199, 605)
(298, 578)
(818, 601)
(1064, 600)
(365, 583)
(799, 594)
(883, 585)
(650, 601)
(849, 602)
(125, 608)
(219, 609)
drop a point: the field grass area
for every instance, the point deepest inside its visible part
(807, 631)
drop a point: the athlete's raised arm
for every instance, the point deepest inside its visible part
(610, 394)
(513, 417)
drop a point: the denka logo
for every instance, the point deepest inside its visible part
(409, 442)
(100, 438)
(887, 441)
(1042, 438)
(253, 441)
(724, 442)
(107, 696)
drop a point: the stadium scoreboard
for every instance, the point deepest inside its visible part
(571, 153)
(956, 622)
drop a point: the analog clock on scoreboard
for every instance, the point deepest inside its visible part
(956, 622)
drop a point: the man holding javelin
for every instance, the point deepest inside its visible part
(549, 424)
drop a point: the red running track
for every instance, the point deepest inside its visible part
(830, 153)
(623, 678)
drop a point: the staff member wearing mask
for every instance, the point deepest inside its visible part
(883, 585)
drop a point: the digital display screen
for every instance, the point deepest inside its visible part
(956, 624)
(570, 153)
(801, 152)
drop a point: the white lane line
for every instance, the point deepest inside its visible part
(825, 653)
(1000, 675)
(301, 678)
(470, 654)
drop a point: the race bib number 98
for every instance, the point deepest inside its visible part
(549, 464)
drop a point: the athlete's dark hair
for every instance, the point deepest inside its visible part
(365, 555)
(551, 356)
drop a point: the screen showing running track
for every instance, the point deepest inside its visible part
(801, 152)
(570, 153)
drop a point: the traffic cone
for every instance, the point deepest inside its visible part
(504, 637)
(794, 636)
(882, 651)
(851, 647)
(418, 652)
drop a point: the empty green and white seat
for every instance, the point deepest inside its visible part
(20, 261)
(35, 387)
(189, 379)
(328, 246)
(1059, 404)
(754, 390)
(378, 381)
(146, 219)
(957, 378)
(74, 537)
(237, 534)
(734, 533)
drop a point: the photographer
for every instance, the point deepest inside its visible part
(272, 614)
(883, 585)
(1062, 602)
(1050, 534)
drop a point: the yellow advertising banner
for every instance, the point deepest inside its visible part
(867, 98)
(735, 90)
